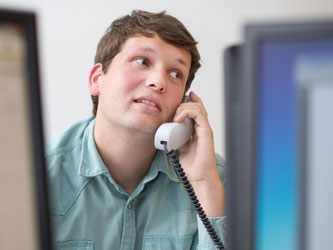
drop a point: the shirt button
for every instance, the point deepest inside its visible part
(129, 205)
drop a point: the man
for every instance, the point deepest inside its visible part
(110, 188)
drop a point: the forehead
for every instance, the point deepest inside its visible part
(156, 46)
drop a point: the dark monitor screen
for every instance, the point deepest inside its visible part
(24, 208)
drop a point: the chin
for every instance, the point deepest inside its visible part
(145, 128)
(146, 131)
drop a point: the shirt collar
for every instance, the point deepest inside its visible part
(92, 165)
(161, 163)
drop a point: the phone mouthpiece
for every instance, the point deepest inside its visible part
(173, 134)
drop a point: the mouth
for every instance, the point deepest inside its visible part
(149, 101)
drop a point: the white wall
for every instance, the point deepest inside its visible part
(69, 31)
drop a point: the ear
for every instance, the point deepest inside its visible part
(94, 79)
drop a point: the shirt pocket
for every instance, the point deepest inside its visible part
(73, 245)
(158, 242)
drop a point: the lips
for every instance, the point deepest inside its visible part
(149, 101)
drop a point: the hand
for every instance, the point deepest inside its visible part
(198, 158)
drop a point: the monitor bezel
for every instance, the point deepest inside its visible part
(28, 21)
(237, 217)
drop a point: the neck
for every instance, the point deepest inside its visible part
(127, 154)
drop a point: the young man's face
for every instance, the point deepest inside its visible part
(144, 84)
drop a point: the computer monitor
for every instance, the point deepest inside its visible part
(273, 190)
(23, 192)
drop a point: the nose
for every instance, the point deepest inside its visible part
(156, 82)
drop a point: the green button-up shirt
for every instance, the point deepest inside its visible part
(89, 210)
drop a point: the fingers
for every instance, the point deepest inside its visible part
(193, 109)
(194, 97)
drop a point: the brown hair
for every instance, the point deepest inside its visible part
(145, 23)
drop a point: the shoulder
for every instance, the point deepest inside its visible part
(221, 167)
(66, 140)
(63, 150)
(63, 158)
(219, 160)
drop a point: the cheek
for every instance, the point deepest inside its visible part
(121, 82)
(130, 79)
(174, 100)
(177, 94)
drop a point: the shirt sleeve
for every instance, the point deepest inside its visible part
(220, 226)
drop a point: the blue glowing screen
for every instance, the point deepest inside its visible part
(277, 134)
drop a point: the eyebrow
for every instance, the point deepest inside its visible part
(153, 51)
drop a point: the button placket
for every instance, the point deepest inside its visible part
(128, 236)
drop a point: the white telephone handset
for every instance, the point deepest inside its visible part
(174, 134)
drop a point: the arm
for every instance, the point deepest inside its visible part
(198, 160)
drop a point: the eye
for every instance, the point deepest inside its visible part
(176, 74)
(142, 61)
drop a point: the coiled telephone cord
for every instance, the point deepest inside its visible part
(188, 187)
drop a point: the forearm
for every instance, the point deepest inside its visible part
(210, 194)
